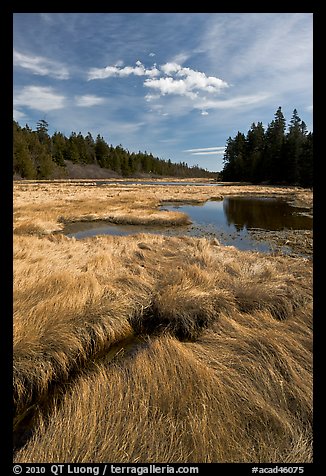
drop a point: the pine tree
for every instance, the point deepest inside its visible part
(294, 143)
(36, 154)
(59, 148)
(90, 149)
(255, 150)
(22, 161)
(42, 128)
(71, 151)
(101, 151)
(274, 150)
(273, 156)
(234, 158)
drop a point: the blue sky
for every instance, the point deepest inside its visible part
(174, 84)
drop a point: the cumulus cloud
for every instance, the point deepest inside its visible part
(88, 100)
(170, 68)
(176, 79)
(39, 98)
(170, 78)
(40, 65)
(184, 81)
(170, 86)
(118, 71)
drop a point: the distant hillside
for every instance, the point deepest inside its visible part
(87, 171)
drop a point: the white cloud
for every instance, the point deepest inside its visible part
(169, 68)
(170, 86)
(40, 65)
(88, 100)
(204, 113)
(151, 54)
(177, 79)
(235, 102)
(39, 98)
(219, 150)
(118, 71)
(180, 58)
(119, 63)
(190, 84)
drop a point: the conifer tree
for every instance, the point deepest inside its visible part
(294, 143)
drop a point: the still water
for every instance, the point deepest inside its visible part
(230, 220)
(243, 213)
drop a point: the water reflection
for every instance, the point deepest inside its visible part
(243, 213)
(264, 213)
(230, 220)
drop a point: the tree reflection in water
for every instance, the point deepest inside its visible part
(263, 213)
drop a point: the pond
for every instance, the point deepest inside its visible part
(229, 220)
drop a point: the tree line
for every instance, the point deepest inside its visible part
(274, 156)
(38, 155)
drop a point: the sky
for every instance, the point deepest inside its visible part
(173, 84)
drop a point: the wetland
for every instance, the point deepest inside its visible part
(109, 324)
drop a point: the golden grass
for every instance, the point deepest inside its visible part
(165, 404)
(42, 208)
(155, 349)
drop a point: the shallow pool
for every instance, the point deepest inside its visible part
(229, 220)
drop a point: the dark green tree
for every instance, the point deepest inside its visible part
(274, 150)
(101, 151)
(255, 151)
(59, 145)
(22, 161)
(293, 149)
(90, 149)
(234, 158)
(71, 151)
(36, 154)
(42, 128)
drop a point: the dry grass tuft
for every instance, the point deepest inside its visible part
(175, 402)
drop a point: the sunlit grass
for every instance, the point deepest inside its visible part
(154, 349)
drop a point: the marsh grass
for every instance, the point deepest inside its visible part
(42, 208)
(155, 349)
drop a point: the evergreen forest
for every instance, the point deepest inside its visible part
(38, 155)
(277, 155)
(274, 155)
